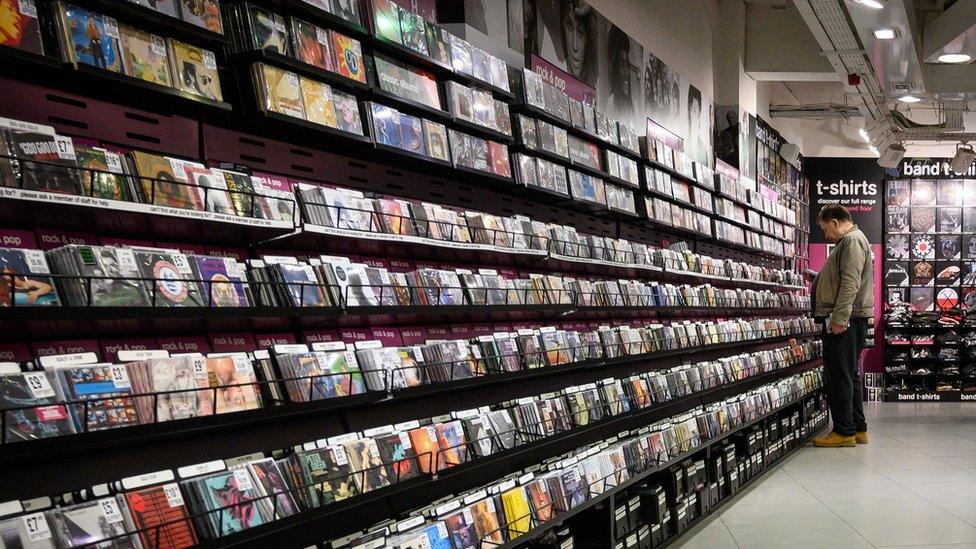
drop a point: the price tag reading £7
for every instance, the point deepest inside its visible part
(38, 384)
(36, 527)
(110, 510)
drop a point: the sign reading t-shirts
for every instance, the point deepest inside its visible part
(856, 184)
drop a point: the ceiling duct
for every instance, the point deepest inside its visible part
(820, 111)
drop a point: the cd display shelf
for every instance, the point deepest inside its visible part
(322, 524)
(924, 386)
(130, 450)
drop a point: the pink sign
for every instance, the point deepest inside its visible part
(234, 342)
(65, 347)
(184, 344)
(239, 254)
(111, 347)
(320, 336)
(413, 335)
(461, 331)
(15, 352)
(352, 335)
(10, 238)
(48, 239)
(390, 337)
(563, 81)
(657, 132)
(265, 341)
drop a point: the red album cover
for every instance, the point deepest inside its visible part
(161, 505)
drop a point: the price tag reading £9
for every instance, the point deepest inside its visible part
(35, 262)
(173, 495)
(120, 377)
(38, 384)
(111, 27)
(110, 510)
(243, 479)
(209, 60)
(242, 364)
(36, 527)
(339, 454)
(157, 45)
(199, 368)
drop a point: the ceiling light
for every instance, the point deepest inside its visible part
(885, 34)
(873, 4)
(874, 150)
(909, 98)
(892, 156)
(864, 135)
(955, 58)
(961, 162)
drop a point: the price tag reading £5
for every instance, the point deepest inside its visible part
(36, 527)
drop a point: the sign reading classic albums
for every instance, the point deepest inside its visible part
(930, 167)
(854, 183)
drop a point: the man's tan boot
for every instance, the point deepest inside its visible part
(861, 437)
(833, 440)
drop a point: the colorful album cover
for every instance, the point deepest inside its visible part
(452, 444)
(319, 103)
(44, 161)
(166, 7)
(235, 380)
(923, 192)
(46, 419)
(486, 522)
(106, 390)
(240, 187)
(411, 134)
(277, 499)
(348, 57)
(91, 522)
(347, 112)
(18, 26)
(160, 516)
(222, 282)
(222, 491)
(413, 31)
(92, 39)
(212, 188)
(21, 280)
(542, 505)
(194, 70)
(425, 447)
(463, 533)
(386, 20)
(281, 91)
(312, 44)
(102, 180)
(268, 31)
(144, 56)
(499, 162)
(438, 44)
(947, 299)
(301, 284)
(202, 13)
(480, 65)
(949, 220)
(435, 140)
(326, 472)
(923, 219)
(518, 515)
(117, 266)
(499, 73)
(386, 127)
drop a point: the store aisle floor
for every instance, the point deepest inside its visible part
(914, 485)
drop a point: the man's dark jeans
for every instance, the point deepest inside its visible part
(842, 377)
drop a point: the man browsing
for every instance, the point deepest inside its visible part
(843, 297)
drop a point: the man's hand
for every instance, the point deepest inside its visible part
(835, 328)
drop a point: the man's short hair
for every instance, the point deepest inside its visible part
(831, 212)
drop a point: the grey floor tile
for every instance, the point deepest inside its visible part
(958, 498)
(915, 521)
(710, 534)
(967, 461)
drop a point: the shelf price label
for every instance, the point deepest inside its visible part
(36, 527)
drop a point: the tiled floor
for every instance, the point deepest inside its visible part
(913, 486)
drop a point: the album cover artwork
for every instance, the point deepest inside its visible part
(173, 275)
(896, 295)
(897, 220)
(281, 91)
(348, 57)
(386, 20)
(480, 64)
(223, 491)
(318, 102)
(950, 220)
(948, 247)
(969, 246)
(348, 10)
(144, 56)
(968, 299)
(161, 517)
(222, 282)
(19, 27)
(898, 193)
(411, 134)
(108, 406)
(923, 219)
(194, 70)
(31, 408)
(312, 45)
(969, 219)
(386, 127)
(923, 246)
(413, 31)
(949, 192)
(435, 138)
(396, 451)
(366, 465)
(460, 55)
(968, 273)
(499, 162)
(527, 170)
(92, 39)
(947, 273)
(923, 193)
(347, 112)
(438, 44)
(922, 273)
(947, 299)
(91, 522)
(499, 73)
(41, 166)
(203, 13)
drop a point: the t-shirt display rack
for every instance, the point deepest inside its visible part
(130, 114)
(929, 278)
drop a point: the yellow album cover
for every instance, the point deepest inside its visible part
(194, 70)
(318, 101)
(280, 91)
